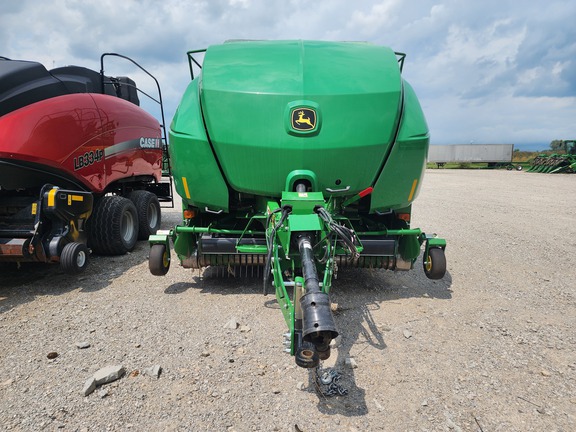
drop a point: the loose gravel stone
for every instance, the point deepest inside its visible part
(153, 371)
(109, 374)
(6, 383)
(232, 324)
(351, 363)
(89, 386)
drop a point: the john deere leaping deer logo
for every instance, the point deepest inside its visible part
(303, 119)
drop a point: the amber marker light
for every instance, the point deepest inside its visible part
(404, 216)
(189, 214)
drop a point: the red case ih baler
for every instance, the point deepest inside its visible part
(80, 165)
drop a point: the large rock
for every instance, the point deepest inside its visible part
(108, 374)
(89, 386)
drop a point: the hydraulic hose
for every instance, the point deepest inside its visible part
(268, 264)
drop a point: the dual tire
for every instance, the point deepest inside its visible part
(148, 210)
(117, 223)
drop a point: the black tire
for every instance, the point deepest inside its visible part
(435, 266)
(74, 258)
(159, 260)
(149, 215)
(113, 226)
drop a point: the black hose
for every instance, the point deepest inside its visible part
(346, 235)
(267, 266)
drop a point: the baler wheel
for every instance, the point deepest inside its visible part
(435, 265)
(148, 209)
(74, 258)
(159, 261)
(113, 226)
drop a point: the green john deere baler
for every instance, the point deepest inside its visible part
(296, 159)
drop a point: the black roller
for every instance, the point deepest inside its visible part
(378, 246)
(227, 245)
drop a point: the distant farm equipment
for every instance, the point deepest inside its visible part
(494, 155)
(564, 162)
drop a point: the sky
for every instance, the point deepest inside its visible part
(489, 72)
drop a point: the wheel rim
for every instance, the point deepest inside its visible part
(81, 259)
(165, 261)
(127, 226)
(429, 263)
(152, 215)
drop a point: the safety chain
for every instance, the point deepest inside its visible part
(328, 382)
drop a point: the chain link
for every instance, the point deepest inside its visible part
(328, 382)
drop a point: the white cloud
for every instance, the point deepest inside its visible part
(483, 70)
(371, 21)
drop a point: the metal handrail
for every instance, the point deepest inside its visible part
(191, 60)
(165, 154)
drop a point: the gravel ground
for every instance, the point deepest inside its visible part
(491, 347)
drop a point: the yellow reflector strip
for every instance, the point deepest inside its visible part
(52, 197)
(34, 208)
(414, 183)
(185, 184)
(74, 198)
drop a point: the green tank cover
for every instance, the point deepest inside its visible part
(261, 110)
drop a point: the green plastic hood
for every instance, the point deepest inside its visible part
(272, 107)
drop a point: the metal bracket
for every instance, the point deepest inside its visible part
(207, 210)
(346, 189)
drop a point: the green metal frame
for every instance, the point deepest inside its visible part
(303, 217)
